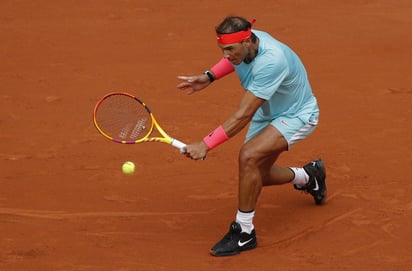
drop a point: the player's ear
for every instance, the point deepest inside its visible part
(247, 42)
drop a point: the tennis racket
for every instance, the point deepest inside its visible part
(123, 118)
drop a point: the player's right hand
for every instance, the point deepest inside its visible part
(196, 151)
(193, 83)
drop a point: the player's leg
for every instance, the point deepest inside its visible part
(309, 178)
(255, 160)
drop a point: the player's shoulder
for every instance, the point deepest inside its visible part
(263, 35)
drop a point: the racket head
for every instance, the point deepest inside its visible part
(123, 118)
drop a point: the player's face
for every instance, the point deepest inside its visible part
(235, 52)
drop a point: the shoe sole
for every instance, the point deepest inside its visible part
(233, 253)
(321, 201)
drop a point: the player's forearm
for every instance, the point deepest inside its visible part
(223, 132)
(236, 123)
(247, 108)
(219, 70)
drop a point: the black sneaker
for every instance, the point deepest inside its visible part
(234, 242)
(317, 184)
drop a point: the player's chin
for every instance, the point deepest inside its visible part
(235, 61)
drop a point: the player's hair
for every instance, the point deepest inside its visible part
(232, 24)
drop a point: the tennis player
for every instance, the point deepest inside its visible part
(280, 108)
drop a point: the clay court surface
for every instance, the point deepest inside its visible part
(65, 205)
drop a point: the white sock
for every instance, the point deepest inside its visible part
(245, 220)
(301, 177)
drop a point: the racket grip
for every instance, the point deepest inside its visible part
(178, 144)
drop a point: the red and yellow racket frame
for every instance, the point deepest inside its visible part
(165, 138)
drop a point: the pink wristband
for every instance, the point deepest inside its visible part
(217, 137)
(222, 68)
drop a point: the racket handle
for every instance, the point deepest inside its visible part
(178, 144)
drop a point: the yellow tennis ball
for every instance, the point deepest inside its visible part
(128, 168)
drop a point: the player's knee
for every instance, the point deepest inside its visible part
(247, 155)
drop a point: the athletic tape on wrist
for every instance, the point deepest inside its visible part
(215, 138)
(222, 68)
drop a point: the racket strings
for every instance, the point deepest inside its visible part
(123, 118)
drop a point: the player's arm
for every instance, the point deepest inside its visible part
(221, 69)
(233, 125)
(248, 106)
(236, 122)
(199, 82)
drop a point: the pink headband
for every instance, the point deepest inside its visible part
(236, 36)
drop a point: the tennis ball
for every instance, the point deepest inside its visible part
(128, 168)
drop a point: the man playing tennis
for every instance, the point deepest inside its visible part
(280, 108)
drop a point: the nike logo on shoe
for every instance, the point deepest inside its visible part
(241, 244)
(316, 188)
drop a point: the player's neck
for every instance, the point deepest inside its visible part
(253, 51)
